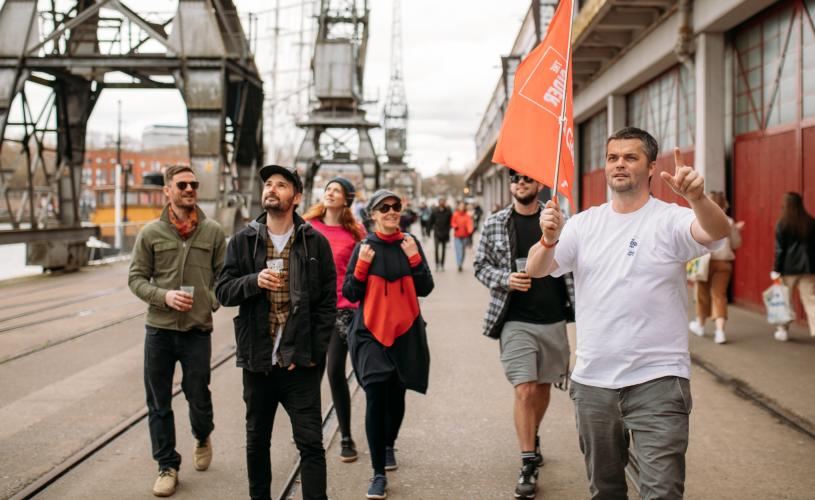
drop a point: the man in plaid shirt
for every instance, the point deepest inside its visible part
(527, 315)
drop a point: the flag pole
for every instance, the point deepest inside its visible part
(562, 118)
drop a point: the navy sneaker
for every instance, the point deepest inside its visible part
(527, 486)
(378, 488)
(390, 458)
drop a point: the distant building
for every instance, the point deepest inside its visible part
(729, 82)
(164, 136)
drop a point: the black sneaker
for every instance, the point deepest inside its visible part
(538, 455)
(349, 450)
(378, 488)
(527, 486)
(390, 458)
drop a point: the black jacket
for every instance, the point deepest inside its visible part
(793, 254)
(440, 220)
(313, 290)
(409, 355)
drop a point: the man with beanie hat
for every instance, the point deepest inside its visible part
(280, 271)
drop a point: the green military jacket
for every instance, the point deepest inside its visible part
(162, 261)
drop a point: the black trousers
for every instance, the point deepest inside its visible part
(384, 411)
(298, 391)
(439, 250)
(162, 349)
(335, 364)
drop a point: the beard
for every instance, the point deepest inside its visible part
(273, 204)
(526, 200)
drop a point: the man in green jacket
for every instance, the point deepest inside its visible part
(173, 268)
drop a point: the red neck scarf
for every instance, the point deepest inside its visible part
(184, 227)
(389, 237)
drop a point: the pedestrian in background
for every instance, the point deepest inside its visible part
(795, 257)
(527, 315)
(631, 381)
(408, 216)
(424, 219)
(713, 292)
(440, 220)
(387, 340)
(462, 224)
(175, 262)
(280, 272)
(333, 218)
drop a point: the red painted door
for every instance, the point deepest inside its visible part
(765, 167)
(593, 189)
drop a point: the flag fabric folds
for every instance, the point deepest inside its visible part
(528, 139)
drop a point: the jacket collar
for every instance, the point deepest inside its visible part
(165, 216)
(258, 226)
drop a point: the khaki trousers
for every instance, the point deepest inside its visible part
(714, 290)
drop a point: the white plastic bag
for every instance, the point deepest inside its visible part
(697, 269)
(778, 304)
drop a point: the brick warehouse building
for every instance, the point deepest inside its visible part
(731, 83)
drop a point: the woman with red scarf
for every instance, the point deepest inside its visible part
(387, 339)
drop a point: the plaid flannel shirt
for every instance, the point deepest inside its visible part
(494, 262)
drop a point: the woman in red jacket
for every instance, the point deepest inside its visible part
(462, 224)
(387, 339)
(334, 219)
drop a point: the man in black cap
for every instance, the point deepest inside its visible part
(280, 271)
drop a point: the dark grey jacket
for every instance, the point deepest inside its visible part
(313, 290)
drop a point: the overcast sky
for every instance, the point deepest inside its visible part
(451, 53)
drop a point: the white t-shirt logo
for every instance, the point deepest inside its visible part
(632, 247)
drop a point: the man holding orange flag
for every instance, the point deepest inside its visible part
(631, 378)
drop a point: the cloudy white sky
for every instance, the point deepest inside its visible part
(451, 53)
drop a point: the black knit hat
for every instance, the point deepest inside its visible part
(347, 187)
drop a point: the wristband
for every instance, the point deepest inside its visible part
(545, 245)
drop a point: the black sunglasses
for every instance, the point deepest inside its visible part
(385, 207)
(182, 185)
(516, 178)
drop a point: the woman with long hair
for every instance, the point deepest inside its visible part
(388, 272)
(334, 219)
(713, 292)
(795, 257)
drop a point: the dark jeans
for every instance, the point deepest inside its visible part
(385, 409)
(298, 391)
(655, 414)
(439, 250)
(335, 365)
(162, 348)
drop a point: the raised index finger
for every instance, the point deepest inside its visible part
(677, 158)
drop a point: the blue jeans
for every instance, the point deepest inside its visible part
(655, 414)
(162, 349)
(461, 245)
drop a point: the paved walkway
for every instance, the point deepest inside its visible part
(458, 441)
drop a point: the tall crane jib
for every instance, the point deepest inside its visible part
(71, 48)
(336, 128)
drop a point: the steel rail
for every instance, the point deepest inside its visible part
(52, 305)
(83, 312)
(85, 453)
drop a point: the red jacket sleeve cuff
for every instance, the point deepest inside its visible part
(361, 270)
(415, 260)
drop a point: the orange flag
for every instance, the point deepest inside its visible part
(528, 142)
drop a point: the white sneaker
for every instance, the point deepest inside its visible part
(696, 328)
(719, 338)
(781, 335)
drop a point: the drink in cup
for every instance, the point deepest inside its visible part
(520, 264)
(276, 265)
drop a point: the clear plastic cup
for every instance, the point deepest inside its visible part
(188, 289)
(520, 264)
(276, 265)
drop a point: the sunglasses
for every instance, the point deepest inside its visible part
(385, 207)
(182, 185)
(516, 178)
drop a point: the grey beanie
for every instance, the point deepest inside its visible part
(378, 197)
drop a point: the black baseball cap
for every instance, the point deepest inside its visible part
(288, 172)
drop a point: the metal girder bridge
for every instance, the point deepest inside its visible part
(336, 127)
(76, 49)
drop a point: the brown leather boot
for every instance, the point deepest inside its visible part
(166, 482)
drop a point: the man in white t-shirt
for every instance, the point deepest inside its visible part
(631, 378)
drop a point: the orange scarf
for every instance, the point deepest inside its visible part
(184, 227)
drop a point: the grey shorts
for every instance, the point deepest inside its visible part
(535, 353)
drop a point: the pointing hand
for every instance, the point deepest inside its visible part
(686, 182)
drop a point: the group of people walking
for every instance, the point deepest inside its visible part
(313, 289)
